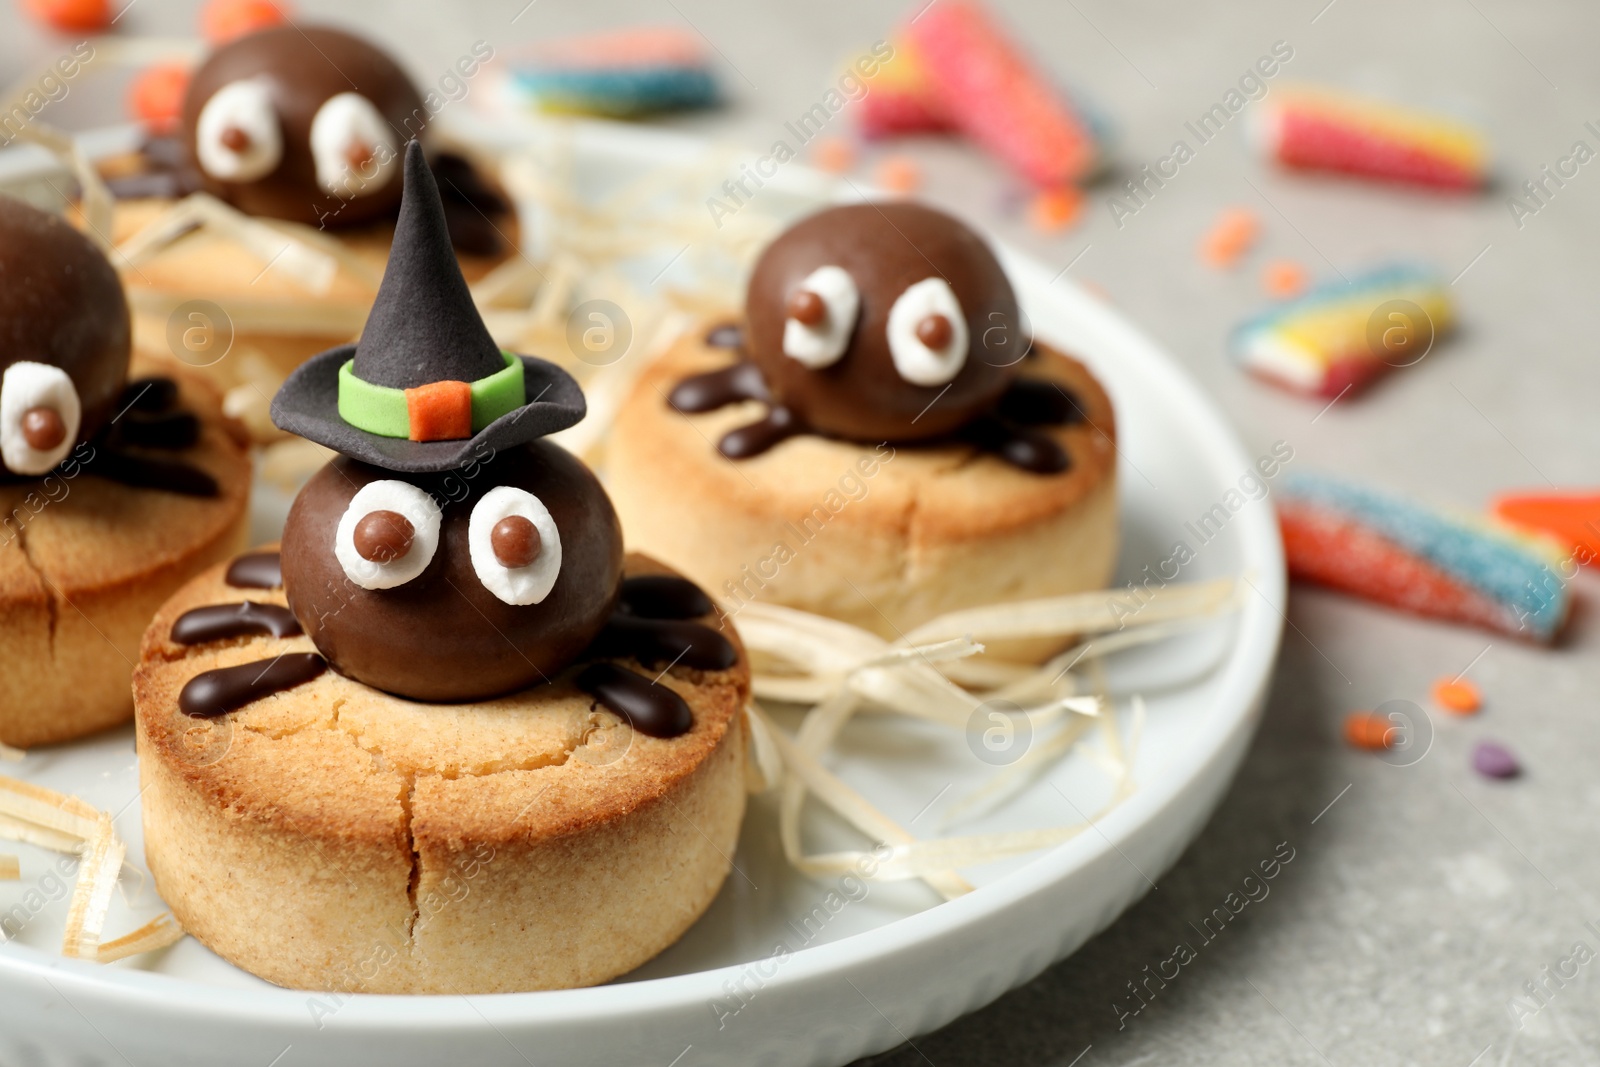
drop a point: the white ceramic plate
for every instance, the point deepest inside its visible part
(882, 968)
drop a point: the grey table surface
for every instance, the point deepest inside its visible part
(1421, 902)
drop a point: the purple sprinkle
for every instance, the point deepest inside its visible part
(1493, 760)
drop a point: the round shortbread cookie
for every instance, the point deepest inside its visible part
(883, 536)
(86, 561)
(334, 837)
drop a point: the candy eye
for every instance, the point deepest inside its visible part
(237, 138)
(387, 534)
(928, 333)
(515, 546)
(351, 145)
(820, 316)
(39, 417)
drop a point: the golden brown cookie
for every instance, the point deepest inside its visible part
(883, 536)
(85, 561)
(333, 837)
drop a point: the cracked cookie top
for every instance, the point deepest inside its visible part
(333, 758)
(75, 533)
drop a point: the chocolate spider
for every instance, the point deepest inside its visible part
(64, 352)
(884, 322)
(451, 553)
(307, 124)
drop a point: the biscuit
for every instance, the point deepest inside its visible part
(882, 536)
(334, 837)
(85, 562)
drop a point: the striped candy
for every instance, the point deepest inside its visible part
(897, 101)
(982, 84)
(1399, 553)
(621, 74)
(1343, 334)
(1321, 129)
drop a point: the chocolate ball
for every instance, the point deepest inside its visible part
(305, 66)
(515, 541)
(384, 536)
(43, 428)
(885, 248)
(61, 303)
(934, 331)
(442, 636)
(807, 307)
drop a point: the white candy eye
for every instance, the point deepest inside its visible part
(237, 137)
(928, 333)
(387, 535)
(352, 146)
(515, 546)
(39, 417)
(820, 316)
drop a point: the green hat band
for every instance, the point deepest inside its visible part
(386, 411)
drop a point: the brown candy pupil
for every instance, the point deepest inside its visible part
(43, 429)
(358, 155)
(234, 139)
(935, 331)
(807, 308)
(515, 541)
(384, 536)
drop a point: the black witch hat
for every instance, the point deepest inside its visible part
(426, 388)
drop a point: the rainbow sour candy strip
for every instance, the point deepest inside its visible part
(1320, 129)
(621, 74)
(897, 100)
(1343, 334)
(990, 90)
(1398, 553)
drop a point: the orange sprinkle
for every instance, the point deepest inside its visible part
(1571, 518)
(1230, 237)
(1283, 277)
(155, 96)
(1363, 729)
(1054, 210)
(1457, 695)
(71, 16)
(223, 20)
(899, 174)
(834, 155)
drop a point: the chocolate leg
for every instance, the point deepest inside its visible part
(663, 596)
(779, 424)
(649, 706)
(1021, 446)
(222, 622)
(256, 570)
(719, 388)
(471, 233)
(176, 430)
(671, 641)
(143, 473)
(459, 180)
(1037, 402)
(217, 692)
(153, 395)
(146, 419)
